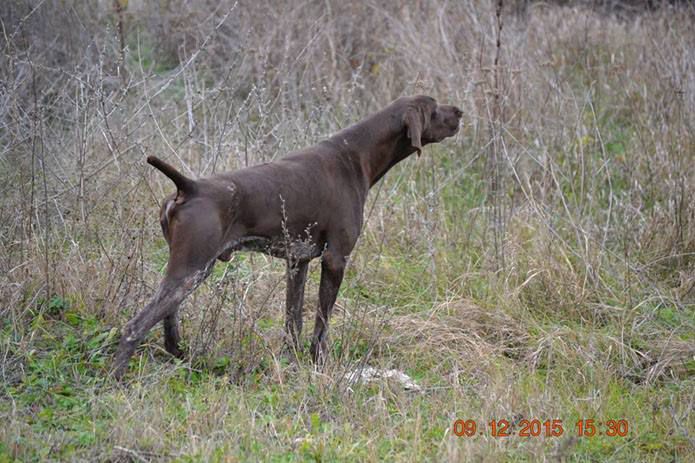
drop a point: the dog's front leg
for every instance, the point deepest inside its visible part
(294, 302)
(332, 269)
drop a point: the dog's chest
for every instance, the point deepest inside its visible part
(281, 247)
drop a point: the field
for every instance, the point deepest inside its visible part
(538, 266)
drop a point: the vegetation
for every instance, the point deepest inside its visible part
(540, 265)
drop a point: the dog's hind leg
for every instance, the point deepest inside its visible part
(163, 306)
(171, 334)
(195, 243)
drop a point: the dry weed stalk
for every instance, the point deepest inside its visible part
(576, 155)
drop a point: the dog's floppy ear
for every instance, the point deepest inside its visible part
(414, 125)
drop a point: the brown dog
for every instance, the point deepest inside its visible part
(306, 205)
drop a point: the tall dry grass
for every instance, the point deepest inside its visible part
(557, 229)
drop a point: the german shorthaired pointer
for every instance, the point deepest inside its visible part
(308, 204)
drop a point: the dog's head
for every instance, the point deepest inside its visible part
(426, 121)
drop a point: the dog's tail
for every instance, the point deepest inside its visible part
(184, 184)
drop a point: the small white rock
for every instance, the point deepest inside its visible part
(371, 374)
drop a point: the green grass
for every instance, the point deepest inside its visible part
(279, 412)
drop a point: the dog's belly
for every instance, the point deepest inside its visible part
(297, 249)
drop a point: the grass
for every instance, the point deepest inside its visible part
(294, 414)
(537, 266)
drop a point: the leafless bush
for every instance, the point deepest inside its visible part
(580, 125)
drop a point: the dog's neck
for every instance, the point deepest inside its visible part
(384, 156)
(377, 144)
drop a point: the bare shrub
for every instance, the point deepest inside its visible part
(554, 234)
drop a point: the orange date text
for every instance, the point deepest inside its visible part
(540, 428)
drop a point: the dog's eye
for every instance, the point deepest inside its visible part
(434, 114)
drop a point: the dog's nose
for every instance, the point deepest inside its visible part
(457, 112)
